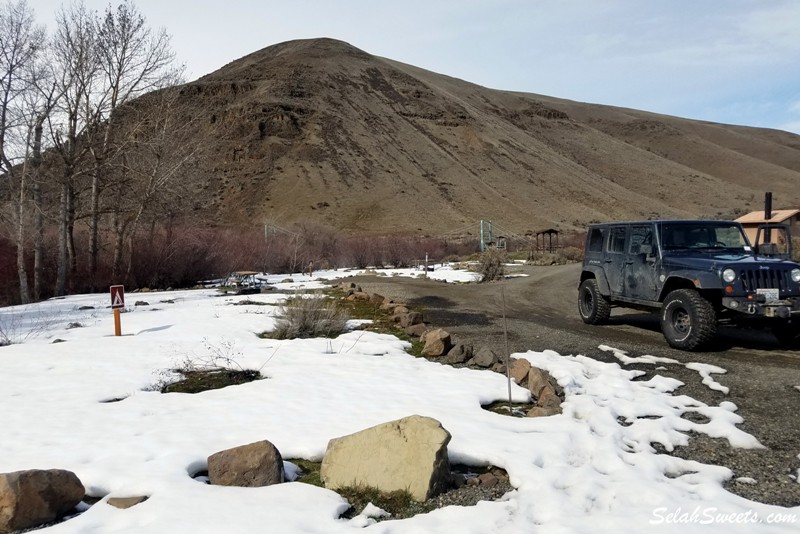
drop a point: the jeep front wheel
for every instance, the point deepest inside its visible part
(593, 306)
(688, 321)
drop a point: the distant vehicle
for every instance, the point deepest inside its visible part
(696, 274)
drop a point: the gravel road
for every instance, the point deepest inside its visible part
(541, 313)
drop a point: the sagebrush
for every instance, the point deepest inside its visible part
(491, 264)
(310, 315)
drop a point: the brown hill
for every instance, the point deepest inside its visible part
(319, 131)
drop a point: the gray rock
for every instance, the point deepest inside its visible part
(499, 368)
(408, 454)
(416, 330)
(32, 498)
(485, 357)
(410, 319)
(253, 465)
(399, 310)
(460, 353)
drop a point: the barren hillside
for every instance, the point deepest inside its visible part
(319, 131)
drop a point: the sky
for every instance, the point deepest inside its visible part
(730, 61)
(87, 404)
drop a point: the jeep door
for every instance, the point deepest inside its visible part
(641, 263)
(615, 258)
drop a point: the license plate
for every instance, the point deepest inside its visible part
(769, 294)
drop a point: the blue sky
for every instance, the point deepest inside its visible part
(731, 61)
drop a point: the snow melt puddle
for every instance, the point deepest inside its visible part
(705, 370)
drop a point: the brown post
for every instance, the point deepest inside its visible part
(117, 323)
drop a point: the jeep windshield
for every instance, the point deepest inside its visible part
(712, 235)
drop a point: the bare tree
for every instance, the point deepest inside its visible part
(78, 75)
(134, 59)
(154, 176)
(21, 41)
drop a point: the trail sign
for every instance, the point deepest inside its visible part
(117, 297)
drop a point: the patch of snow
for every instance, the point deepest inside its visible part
(622, 356)
(746, 480)
(582, 470)
(705, 371)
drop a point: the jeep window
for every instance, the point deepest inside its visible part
(640, 235)
(616, 242)
(595, 240)
(703, 235)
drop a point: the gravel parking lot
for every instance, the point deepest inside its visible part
(541, 313)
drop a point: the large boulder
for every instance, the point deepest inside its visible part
(437, 343)
(32, 498)
(407, 454)
(253, 465)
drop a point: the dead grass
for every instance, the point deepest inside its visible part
(205, 380)
(310, 315)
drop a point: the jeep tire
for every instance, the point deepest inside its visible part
(688, 321)
(594, 307)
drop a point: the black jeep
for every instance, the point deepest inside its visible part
(696, 273)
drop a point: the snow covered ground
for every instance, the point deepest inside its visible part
(591, 469)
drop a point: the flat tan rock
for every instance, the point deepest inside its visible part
(407, 454)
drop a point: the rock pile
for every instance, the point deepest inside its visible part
(439, 345)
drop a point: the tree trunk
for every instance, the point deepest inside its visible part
(94, 222)
(73, 258)
(22, 272)
(63, 216)
(38, 218)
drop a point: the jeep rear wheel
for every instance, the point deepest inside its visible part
(688, 321)
(593, 306)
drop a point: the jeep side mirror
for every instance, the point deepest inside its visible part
(647, 250)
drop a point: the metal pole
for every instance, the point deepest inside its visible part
(767, 215)
(481, 247)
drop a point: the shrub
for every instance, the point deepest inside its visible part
(491, 264)
(307, 316)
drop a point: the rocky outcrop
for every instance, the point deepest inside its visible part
(407, 454)
(253, 465)
(32, 498)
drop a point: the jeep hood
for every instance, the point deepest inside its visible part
(710, 261)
